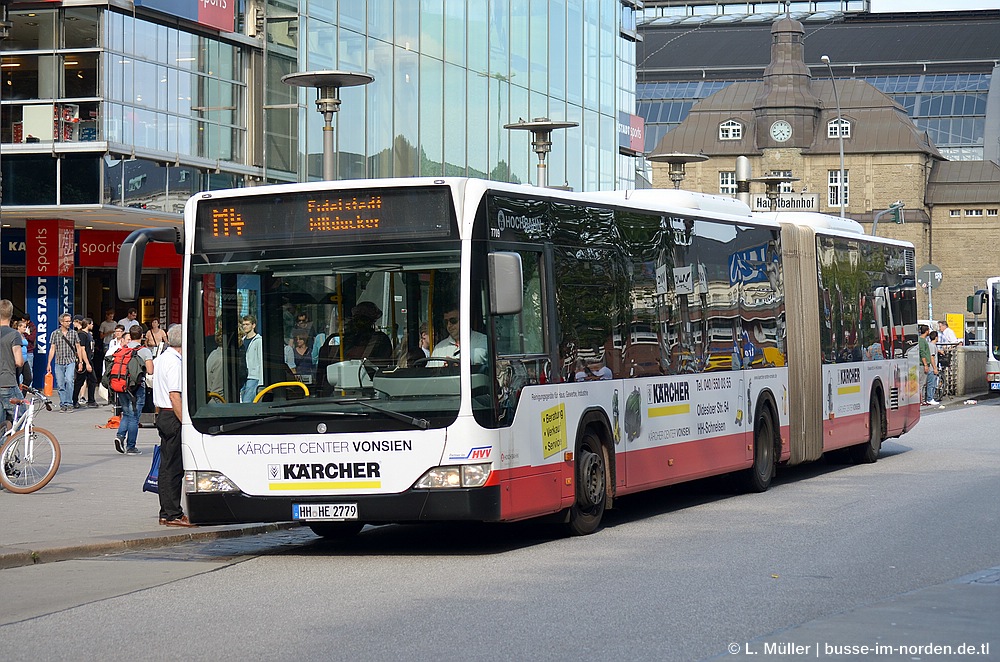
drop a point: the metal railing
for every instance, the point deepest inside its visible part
(947, 376)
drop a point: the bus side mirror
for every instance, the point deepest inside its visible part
(506, 283)
(974, 303)
(130, 257)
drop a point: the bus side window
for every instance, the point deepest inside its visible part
(520, 341)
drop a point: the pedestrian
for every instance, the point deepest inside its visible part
(29, 333)
(168, 401)
(947, 342)
(113, 344)
(117, 340)
(11, 359)
(251, 347)
(22, 328)
(945, 335)
(67, 355)
(88, 375)
(925, 362)
(215, 371)
(932, 376)
(102, 336)
(133, 401)
(129, 320)
(156, 337)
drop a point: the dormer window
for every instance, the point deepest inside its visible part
(731, 130)
(838, 128)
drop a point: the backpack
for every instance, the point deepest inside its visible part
(124, 370)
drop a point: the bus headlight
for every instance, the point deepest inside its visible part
(465, 475)
(207, 481)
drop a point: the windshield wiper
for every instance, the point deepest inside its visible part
(421, 423)
(239, 425)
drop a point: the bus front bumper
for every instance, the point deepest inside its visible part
(481, 504)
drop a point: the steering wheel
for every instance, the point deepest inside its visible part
(450, 360)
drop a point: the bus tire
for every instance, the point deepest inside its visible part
(758, 477)
(867, 452)
(336, 530)
(591, 481)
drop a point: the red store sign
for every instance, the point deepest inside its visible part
(100, 248)
(49, 247)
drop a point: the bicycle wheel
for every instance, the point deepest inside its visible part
(21, 473)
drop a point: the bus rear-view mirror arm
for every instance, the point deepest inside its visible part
(130, 257)
(506, 284)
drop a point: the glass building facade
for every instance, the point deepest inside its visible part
(103, 106)
(449, 74)
(113, 113)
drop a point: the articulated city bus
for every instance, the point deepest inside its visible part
(409, 350)
(992, 301)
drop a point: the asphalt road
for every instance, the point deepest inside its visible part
(849, 553)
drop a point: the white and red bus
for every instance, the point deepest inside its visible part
(991, 301)
(593, 345)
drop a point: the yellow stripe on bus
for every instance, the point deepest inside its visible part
(844, 390)
(670, 410)
(329, 485)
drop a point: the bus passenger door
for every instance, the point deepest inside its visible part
(522, 345)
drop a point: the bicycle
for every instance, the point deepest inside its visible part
(29, 455)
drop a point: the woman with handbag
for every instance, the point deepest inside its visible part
(156, 338)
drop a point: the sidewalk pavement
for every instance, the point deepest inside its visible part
(95, 504)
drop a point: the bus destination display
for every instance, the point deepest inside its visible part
(323, 217)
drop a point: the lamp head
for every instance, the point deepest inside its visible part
(825, 59)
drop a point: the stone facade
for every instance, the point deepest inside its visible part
(885, 157)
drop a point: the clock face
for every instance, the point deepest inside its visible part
(781, 131)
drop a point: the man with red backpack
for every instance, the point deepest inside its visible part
(125, 375)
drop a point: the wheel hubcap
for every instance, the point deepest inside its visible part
(593, 478)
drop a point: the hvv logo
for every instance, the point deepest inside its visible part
(479, 453)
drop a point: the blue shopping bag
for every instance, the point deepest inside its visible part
(151, 483)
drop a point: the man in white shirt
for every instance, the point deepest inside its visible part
(449, 347)
(129, 321)
(945, 335)
(169, 371)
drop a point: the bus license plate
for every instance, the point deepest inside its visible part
(331, 512)
(995, 386)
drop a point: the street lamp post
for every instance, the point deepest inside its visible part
(541, 132)
(678, 164)
(327, 84)
(840, 132)
(772, 185)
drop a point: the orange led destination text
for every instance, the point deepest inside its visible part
(323, 216)
(226, 222)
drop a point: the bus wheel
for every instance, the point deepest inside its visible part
(336, 530)
(867, 452)
(591, 486)
(758, 477)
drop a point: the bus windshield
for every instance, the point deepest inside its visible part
(342, 339)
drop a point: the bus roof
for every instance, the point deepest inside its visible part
(814, 220)
(665, 200)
